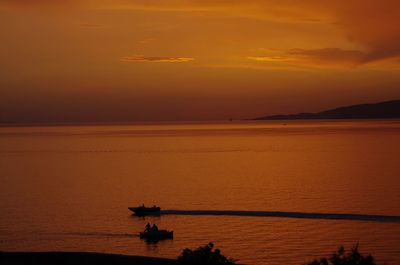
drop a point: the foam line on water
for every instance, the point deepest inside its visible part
(98, 234)
(329, 216)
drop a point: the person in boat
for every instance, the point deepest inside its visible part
(147, 227)
(154, 228)
(142, 206)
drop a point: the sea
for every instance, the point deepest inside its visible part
(264, 192)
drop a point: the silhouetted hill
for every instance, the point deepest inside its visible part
(6, 122)
(382, 110)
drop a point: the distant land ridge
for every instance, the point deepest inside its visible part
(383, 110)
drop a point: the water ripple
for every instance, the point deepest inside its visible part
(98, 234)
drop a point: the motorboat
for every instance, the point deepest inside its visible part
(157, 235)
(143, 210)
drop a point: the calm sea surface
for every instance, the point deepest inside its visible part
(68, 187)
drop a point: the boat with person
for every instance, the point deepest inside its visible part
(157, 235)
(152, 233)
(143, 210)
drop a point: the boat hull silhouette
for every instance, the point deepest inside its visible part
(157, 235)
(141, 211)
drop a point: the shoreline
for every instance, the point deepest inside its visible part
(78, 258)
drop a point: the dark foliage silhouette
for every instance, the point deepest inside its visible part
(204, 255)
(340, 257)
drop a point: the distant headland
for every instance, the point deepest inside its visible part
(382, 110)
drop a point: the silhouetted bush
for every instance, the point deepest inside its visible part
(340, 257)
(204, 256)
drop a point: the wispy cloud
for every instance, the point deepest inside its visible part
(90, 25)
(370, 24)
(39, 3)
(156, 59)
(146, 41)
(270, 10)
(272, 58)
(329, 56)
(317, 57)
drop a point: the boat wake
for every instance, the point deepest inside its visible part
(99, 234)
(329, 216)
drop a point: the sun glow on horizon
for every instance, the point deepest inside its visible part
(191, 60)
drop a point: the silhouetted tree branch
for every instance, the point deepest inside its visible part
(204, 255)
(340, 257)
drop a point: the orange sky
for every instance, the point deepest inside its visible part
(120, 60)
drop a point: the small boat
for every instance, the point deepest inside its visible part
(157, 235)
(143, 210)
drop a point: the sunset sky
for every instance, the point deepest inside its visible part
(158, 60)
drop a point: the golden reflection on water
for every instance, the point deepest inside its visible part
(68, 187)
